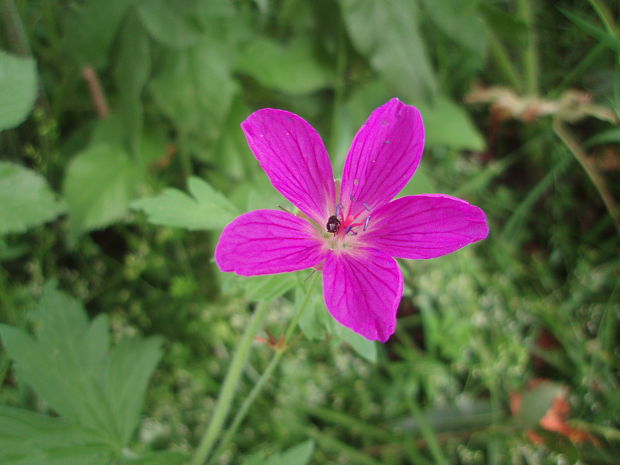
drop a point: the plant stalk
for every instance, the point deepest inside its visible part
(229, 387)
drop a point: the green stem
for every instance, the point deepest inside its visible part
(260, 384)
(599, 182)
(530, 57)
(229, 387)
(427, 432)
(604, 15)
(504, 62)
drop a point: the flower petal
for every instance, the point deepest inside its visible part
(384, 155)
(425, 226)
(267, 242)
(295, 159)
(362, 291)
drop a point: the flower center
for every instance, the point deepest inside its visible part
(345, 224)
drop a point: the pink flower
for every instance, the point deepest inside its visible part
(354, 232)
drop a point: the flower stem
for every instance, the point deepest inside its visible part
(260, 384)
(530, 56)
(229, 387)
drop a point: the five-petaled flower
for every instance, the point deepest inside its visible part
(351, 230)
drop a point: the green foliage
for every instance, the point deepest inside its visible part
(448, 125)
(204, 209)
(194, 89)
(89, 30)
(298, 455)
(28, 438)
(70, 366)
(387, 34)
(18, 89)
(537, 299)
(292, 68)
(25, 199)
(99, 184)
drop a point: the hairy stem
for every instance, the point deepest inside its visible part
(224, 401)
(262, 381)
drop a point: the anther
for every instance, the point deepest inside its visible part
(366, 206)
(338, 210)
(366, 223)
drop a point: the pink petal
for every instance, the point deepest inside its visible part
(425, 226)
(362, 291)
(294, 157)
(384, 155)
(266, 242)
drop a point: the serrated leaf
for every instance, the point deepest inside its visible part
(131, 364)
(204, 209)
(28, 438)
(98, 186)
(18, 89)
(163, 21)
(386, 33)
(69, 366)
(293, 68)
(25, 199)
(448, 124)
(195, 90)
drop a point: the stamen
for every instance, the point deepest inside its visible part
(367, 222)
(366, 206)
(350, 231)
(338, 210)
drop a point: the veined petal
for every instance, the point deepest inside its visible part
(425, 226)
(384, 155)
(295, 159)
(267, 242)
(362, 291)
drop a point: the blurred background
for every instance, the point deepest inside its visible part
(122, 159)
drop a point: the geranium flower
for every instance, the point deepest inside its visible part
(353, 230)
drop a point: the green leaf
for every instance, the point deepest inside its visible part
(298, 455)
(316, 322)
(69, 366)
(98, 186)
(195, 90)
(293, 68)
(448, 124)
(28, 438)
(461, 21)
(608, 136)
(204, 209)
(25, 199)
(18, 89)
(159, 458)
(387, 34)
(269, 287)
(89, 29)
(131, 72)
(163, 21)
(365, 348)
